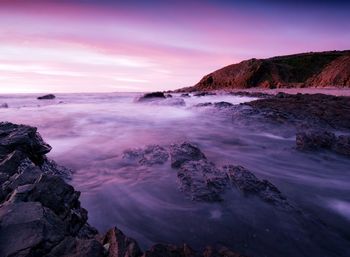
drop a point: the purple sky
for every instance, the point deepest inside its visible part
(101, 46)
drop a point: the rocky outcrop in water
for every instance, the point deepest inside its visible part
(151, 96)
(148, 156)
(323, 140)
(47, 97)
(40, 213)
(159, 98)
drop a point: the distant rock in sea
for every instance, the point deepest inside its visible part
(4, 105)
(47, 97)
(314, 69)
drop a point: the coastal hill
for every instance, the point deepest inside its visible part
(314, 69)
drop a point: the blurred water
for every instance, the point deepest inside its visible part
(89, 132)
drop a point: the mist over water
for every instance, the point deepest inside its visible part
(89, 132)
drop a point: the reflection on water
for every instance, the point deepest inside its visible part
(89, 132)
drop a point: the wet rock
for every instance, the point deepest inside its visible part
(315, 140)
(150, 155)
(222, 105)
(151, 96)
(185, 95)
(316, 110)
(201, 180)
(181, 153)
(250, 94)
(4, 105)
(162, 250)
(119, 245)
(28, 229)
(73, 247)
(24, 139)
(51, 167)
(47, 97)
(168, 96)
(246, 182)
(10, 162)
(342, 145)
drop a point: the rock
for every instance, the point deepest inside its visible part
(118, 245)
(246, 182)
(202, 181)
(168, 96)
(204, 94)
(55, 194)
(203, 104)
(250, 94)
(222, 252)
(316, 110)
(4, 105)
(24, 139)
(185, 95)
(10, 162)
(315, 140)
(73, 247)
(162, 250)
(222, 104)
(342, 145)
(28, 229)
(150, 155)
(47, 97)
(151, 96)
(181, 153)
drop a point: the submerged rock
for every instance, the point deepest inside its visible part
(150, 155)
(47, 97)
(222, 104)
(181, 153)
(246, 182)
(4, 105)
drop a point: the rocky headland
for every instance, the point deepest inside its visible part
(314, 69)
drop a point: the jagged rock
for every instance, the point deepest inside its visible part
(202, 181)
(150, 155)
(73, 247)
(246, 182)
(24, 139)
(52, 192)
(314, 140)
(28, 229)
(51, 167)
(181, 153)
(10, 162)
(47, 97)
(118, 245)
(161, 250)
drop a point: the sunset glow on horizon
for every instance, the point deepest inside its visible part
(107, 46)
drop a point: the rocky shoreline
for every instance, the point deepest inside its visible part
(41, 215)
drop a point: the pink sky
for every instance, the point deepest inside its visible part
(75, 47)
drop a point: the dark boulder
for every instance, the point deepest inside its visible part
(151, 96)
(222, 104)
(4, 105)
(28, 229)
(181, 153)
(47, 97)
(342, 145)
(185, 95)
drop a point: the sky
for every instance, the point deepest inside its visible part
(126, 46)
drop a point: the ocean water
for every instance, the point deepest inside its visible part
(89, 132)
